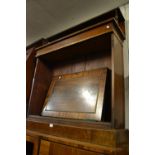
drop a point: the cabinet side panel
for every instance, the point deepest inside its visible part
(118, 120)
(30, 67)
(41, 82)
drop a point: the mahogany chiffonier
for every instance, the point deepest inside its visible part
(76, 104)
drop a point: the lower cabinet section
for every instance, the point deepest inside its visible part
(50, 148)
(72, 140)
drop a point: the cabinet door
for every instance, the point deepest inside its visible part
(59, 149)
(84, 152)
(50, 148)
(44, 147)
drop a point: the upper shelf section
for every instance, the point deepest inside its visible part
(111, 22)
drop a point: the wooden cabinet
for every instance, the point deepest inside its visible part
(76, 103)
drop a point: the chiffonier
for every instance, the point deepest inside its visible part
(76, 102)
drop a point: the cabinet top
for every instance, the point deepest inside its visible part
(112, 21)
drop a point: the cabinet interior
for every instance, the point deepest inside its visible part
(85, 56)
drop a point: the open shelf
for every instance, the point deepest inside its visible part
(93, 54)
(98, 47)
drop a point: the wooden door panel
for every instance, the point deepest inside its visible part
(51, 148)
(84, 152)
(60, 149)
(44, 147)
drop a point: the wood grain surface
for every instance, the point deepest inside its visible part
(78, 95)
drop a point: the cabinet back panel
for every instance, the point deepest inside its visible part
(89, 62)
